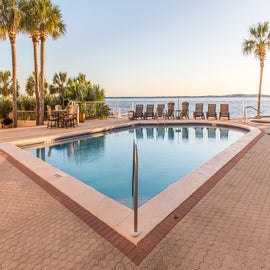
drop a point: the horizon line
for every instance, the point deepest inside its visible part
(194, 96)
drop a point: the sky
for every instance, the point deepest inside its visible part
(152, 47)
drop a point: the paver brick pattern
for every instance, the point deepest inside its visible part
(227, 229)
(37, 232)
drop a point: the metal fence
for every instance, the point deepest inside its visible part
(239, 108)
(26, 115)
(93, 110)
(119, 107)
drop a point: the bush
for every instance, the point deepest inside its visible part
(26, 103)
(6, 121)
(103, 111)
(5, 107)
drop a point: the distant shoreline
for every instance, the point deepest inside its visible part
(206, 96)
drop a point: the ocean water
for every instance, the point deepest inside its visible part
(238, 105)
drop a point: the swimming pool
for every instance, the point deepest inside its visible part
(166, 154)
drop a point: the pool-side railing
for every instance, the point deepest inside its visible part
(239, 108)
(93, 110)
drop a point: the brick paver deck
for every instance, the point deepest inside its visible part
(227, 229)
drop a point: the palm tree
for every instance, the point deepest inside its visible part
(30, 25)
(5, 84)
(78, 87)
(74, 90)
(59, 86)
(99, 92)
(258, 44)
(10, 24)
(31, 84)
(51, 24)
(42, 19)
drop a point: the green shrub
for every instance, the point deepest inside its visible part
(5, 107)
(102, 111)
(26, 103)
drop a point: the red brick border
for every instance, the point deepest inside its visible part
(135, 253)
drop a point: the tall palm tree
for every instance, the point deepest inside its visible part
(59, 85)
(51, 25)
(30, 25)
(10, 24)
(258, 44)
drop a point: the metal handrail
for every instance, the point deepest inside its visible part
(245, 111)
(135, 232)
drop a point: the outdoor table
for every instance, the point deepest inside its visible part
(60, 114)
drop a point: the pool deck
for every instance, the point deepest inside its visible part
(226, 226)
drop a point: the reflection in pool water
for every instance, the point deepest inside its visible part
(166, 154)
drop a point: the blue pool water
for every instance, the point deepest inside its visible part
(104, 161)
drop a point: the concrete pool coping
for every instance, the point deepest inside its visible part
(115, 215)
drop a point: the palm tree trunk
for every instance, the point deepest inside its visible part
(12, 38)
(37, 92)
(260, 89)
(42, 66)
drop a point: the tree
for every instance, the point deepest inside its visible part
(258, 44)
(51, 24)
(5, 108)
(30, 25)
(30, 85)
(42, 19)
(10, 24)
(78, 87)
(99, 92)
(59, 85)
(5, 84)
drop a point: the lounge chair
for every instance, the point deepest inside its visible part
(184, 111)
(52, 118)
(224, 111)
(149, 111)
(160, 111)
(198, 111)
(211, 111)
(170, 112)
(138, 111)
